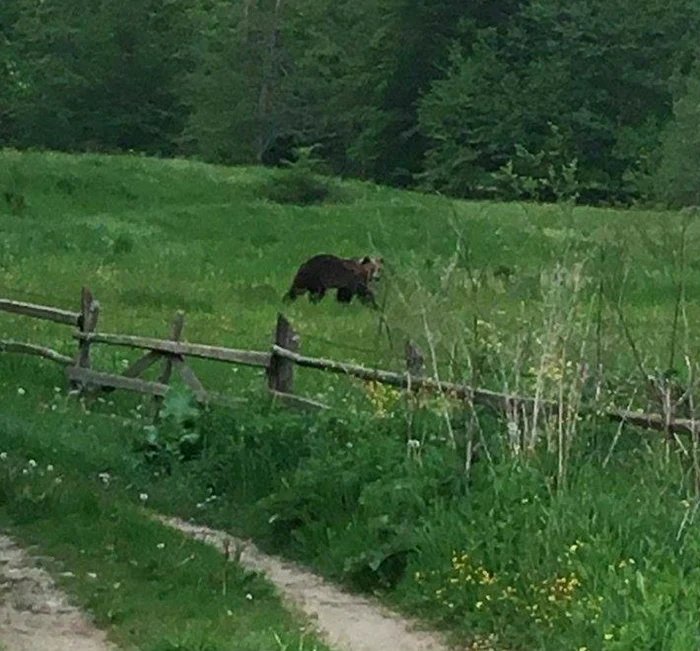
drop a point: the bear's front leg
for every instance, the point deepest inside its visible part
(367, 296)
(317, 295)
(344, 294)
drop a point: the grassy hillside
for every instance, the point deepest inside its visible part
(586, 543)
(152, 236)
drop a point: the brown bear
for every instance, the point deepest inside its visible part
(348, 276)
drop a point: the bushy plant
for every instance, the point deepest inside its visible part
(300, 182)
(548, 175)
(175, 436)
(13, 190)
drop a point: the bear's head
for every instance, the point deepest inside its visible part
(372, 267)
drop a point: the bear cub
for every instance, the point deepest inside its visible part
(349, 276)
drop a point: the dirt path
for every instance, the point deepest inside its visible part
(348, 622)
(34, 614)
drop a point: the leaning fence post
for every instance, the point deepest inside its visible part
(167, 370)
(280, 372)
(87, 323)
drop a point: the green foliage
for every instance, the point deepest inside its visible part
(98, 76)
(543, 176)
(406, 50)
(269, 76)
(175, 436)
(503, 88)
(300, 183)
(509, 558)
(440, 93)
(223, 124)
(677, 181)
(30, 490)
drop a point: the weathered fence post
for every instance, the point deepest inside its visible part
(415, 361)
(280, 372)
(175, 335)
(87, 323)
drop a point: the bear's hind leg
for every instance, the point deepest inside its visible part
(344, 294)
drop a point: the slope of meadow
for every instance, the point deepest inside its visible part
(585, 543)
(150, 237)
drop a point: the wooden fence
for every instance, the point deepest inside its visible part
(278, 362)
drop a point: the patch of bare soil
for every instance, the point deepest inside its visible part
(34, 614)
(347, 622)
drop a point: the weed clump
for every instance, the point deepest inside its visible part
(13, 185)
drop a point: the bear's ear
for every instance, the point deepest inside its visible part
(366, 260)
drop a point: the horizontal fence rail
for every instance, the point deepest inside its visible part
(494, 400)
(406, 381)
(32, 349)
(40, 312)
(243, 357)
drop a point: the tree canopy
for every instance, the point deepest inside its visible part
(533, 99)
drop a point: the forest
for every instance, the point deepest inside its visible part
(596, 101)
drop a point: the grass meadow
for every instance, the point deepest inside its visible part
(509, 532)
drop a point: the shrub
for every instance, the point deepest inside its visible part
(300, 182)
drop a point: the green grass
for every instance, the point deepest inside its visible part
(522, 546)
(504, 552)
(150, 237)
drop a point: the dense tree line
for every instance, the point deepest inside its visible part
(544, 99)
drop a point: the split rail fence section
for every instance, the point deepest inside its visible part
(169, 353)
(279, 364)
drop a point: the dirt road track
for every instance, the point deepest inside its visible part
(347, 622)
(34, 614)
